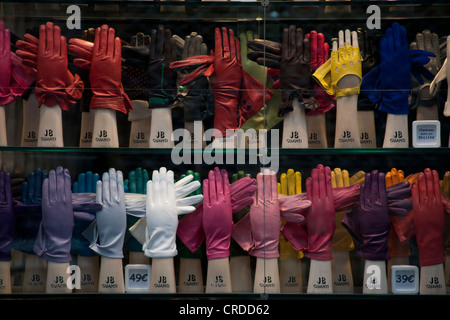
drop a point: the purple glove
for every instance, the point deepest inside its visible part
(55, 231)
(6, 217)
(368, 222)
(217, 214)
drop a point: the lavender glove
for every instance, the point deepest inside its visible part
(55, 231)
(6, 217)
(368, 222)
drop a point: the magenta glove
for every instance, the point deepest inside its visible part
(320, 220)
(5, 66)
(6, 217)
(190, 228)
(217, 214)
(368, 222)
(55, 231)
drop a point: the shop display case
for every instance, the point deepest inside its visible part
(362, 139)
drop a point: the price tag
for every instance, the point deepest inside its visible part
(405, 279)
(426, 134)
(137, 278)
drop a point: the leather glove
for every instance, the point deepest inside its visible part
(135, 184)
(5, 66)
(320, 219)
(226, 80)
(86, 185)
(85, 102)
(55, 231)
(106, 235)
(162, 79)
(135, 79)
(190, 229)
(420, 91)
(105, 72)
(397, 248)
(6, 217)
(370, 58)
(341, 238)
(368, 222)
(162, 215)
(295, 71)
(55, 85)
(217, 214)
(428, 218)
(196, 98)
(290, 184)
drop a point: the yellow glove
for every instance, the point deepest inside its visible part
(290, 184)
(445, 191)
(345, 60)
(342, 241)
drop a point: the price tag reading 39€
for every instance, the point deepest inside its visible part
(405, 279)
(137, 278)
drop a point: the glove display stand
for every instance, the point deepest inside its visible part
(162, 74)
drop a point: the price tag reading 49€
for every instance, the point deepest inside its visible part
(405, 279)
(137, 278)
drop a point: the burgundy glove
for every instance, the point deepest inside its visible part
(106, 73)
(55, 85)
(5, 66)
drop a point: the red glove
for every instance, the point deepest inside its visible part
(54, 84)
(106, 72)
(226, 80)
(429, 218)
(319, 55)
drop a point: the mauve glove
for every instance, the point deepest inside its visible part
(6, 217)
(217, 214)
(55, 232)
(369, 222)
(320, 219)
(429, 218)
(265, 217)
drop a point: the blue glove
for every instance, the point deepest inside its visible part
(27, 221)
(86, 184)
(389, 84)
(6, 217)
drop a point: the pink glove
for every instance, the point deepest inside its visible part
(429, 218)
(106, 72)
(54, 84)
(217, 214)
(264, 217)
(5, 66)
(190, 228)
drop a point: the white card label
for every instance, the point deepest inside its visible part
(137, 278)
(426, 134)
(405, 279)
